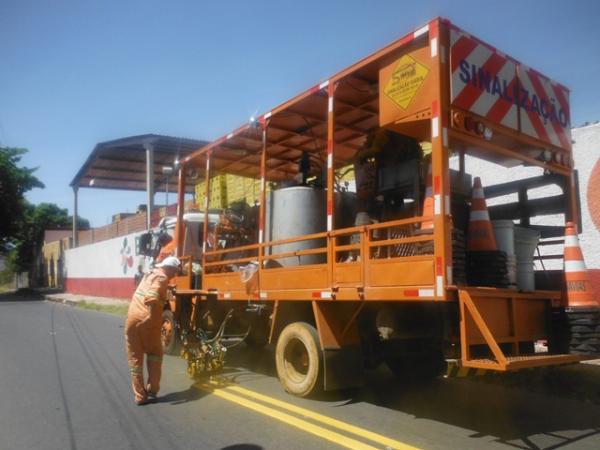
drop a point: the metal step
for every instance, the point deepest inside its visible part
(522, 362)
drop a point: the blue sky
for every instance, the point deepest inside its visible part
(74, 73)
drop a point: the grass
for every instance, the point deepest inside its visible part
(119, 310)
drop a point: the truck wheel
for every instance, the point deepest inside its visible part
(299, 359)
(168, 334)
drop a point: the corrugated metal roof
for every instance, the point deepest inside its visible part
(121, 163)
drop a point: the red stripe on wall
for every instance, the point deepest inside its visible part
(101, 287)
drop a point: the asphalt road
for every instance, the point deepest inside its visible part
(64, 384)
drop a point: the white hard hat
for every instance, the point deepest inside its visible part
(169, 261)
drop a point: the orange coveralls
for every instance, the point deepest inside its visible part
(143, 333)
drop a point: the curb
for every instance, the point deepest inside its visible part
(62, 300)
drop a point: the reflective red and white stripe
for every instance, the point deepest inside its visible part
(544, 108)
(483, 79)
(423, 292)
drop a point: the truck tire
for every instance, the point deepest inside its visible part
(168, 333)
(299, 359)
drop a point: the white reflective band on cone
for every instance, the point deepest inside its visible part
(571, 241)
(575, 266)
(478, 193)
(479, 215)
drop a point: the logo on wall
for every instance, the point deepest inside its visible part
(126, 256)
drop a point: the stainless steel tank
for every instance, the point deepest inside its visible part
(296, 211)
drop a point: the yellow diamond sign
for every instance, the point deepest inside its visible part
(406, 79)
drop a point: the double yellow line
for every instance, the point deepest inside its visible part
(258, 402)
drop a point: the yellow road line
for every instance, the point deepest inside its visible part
(290, 420)
(375, 437)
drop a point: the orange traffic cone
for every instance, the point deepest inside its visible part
(481, 235)
(579, 290)
(428, 203)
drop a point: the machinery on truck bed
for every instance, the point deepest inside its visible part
(343, 279)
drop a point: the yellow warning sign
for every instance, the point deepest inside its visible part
(406, 79)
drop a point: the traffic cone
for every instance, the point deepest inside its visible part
(428, 203)
(579, 290)
(481, 235)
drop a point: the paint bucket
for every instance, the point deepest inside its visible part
(504, 231)
(526, 241)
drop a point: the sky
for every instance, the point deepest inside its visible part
(75, 73)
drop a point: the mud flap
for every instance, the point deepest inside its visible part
(343, 368)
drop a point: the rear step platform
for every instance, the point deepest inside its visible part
(500, 322)
(522, 362)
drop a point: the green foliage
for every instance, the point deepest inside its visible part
(30, 237)
(14, 182)
(22, 224)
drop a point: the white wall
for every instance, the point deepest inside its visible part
(587, 159)
(113, 258)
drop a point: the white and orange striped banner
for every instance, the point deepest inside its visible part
(492, 85)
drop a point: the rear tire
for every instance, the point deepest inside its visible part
(299, 359)
(168, 333)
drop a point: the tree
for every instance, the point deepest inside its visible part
(30, 238)
(14, 182)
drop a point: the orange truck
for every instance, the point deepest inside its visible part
(399, 263)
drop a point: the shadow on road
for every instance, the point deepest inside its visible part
(178, 398)
(533, 412)
(21, 295)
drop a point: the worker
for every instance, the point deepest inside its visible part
(166, 246)
(143, 329)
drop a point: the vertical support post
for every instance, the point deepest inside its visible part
(330, 181)
(180, 210)
(330, 171)
(263, 194)
(206, 193)
(149, 183)
(573, 213)
(75, 213)
(439, 45)
(523, 199)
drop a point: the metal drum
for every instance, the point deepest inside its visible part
(296, 211)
